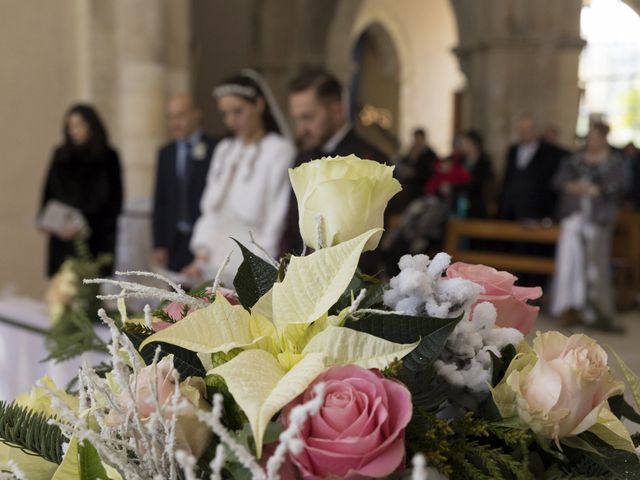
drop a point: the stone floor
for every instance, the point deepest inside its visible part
(627, 344)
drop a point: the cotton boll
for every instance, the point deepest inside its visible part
(413, 282)
(450, 373)
(476, 377)
(438, 310)
(391, 297)
(410, 305)
(438, 265)
(484, 315)
(458, 291)
(416, 262)
(501, 337)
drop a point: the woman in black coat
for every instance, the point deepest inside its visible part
(85, 174)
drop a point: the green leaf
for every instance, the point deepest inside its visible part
(631, 378)
(254, 278)
(29, 430)
(620, 408)
(344, 345)
(90, 463)
(186, 362)
(620, 464)
(611, 431)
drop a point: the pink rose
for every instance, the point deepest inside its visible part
(359, 431)
(191, 435)
(499, 289)
(175, 310)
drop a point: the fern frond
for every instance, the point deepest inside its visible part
(30, 432)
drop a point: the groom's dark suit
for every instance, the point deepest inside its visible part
(180, 181)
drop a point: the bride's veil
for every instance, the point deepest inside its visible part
(270, 100)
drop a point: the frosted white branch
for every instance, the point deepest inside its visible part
(177, 288)
(148, 317)
(267, 255)
(135, 290)
(290, 438)
(356, 303)
(223, 265)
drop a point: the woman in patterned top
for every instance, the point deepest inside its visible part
(589, 184)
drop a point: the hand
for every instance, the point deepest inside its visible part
(161, 257)
(69, 234)
(193, 270)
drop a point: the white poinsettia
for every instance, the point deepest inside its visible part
(288, 338)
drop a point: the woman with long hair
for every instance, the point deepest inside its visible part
(247, 192)
(84, 174)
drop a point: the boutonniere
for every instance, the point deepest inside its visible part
(199, 151)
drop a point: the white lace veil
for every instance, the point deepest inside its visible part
(271, 103)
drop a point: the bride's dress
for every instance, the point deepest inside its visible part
(247, 191)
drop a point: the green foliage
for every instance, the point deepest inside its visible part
(603, 462)
(185, 361)
(470, 447)
(73, 335)
(29, 431)
(232, 416)
(621, 409)
(433, 333)
(254, 278)
(90, 462)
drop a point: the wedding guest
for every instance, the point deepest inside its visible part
(84, 174)
(414, 170)
(530, 165)
(247, 192)
(181, 173)
(473, 199)
(322, 129)
(590, 184)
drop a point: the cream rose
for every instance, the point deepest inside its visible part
(347, 194)
(559, 387)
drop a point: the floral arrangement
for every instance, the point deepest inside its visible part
(72, 305)
(309, 369)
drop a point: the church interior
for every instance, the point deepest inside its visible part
(483, 71)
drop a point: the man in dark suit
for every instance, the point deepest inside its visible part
(531, 163)
(322, 130)
(180, 180)
(321, 122)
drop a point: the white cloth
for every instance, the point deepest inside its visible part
(247, 191)
(331, 144)
(21, 351)
(582, 273)
(525, 153)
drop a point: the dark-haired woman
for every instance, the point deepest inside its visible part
(473, 198)
(247, 188)
(84, 173)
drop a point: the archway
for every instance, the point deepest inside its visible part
(375, 88)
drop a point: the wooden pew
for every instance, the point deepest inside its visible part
(625, 249)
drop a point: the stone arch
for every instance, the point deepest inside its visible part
(424, 35)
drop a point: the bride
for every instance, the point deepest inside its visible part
(247, 191)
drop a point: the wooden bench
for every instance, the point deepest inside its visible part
(625, 249)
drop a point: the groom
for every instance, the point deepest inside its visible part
(322, 130)
(180, 180)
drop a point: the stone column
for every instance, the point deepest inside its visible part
(519, 56)
(141, 93)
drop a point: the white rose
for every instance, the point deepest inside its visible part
(348, 194)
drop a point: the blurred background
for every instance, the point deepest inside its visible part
(441, 65)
